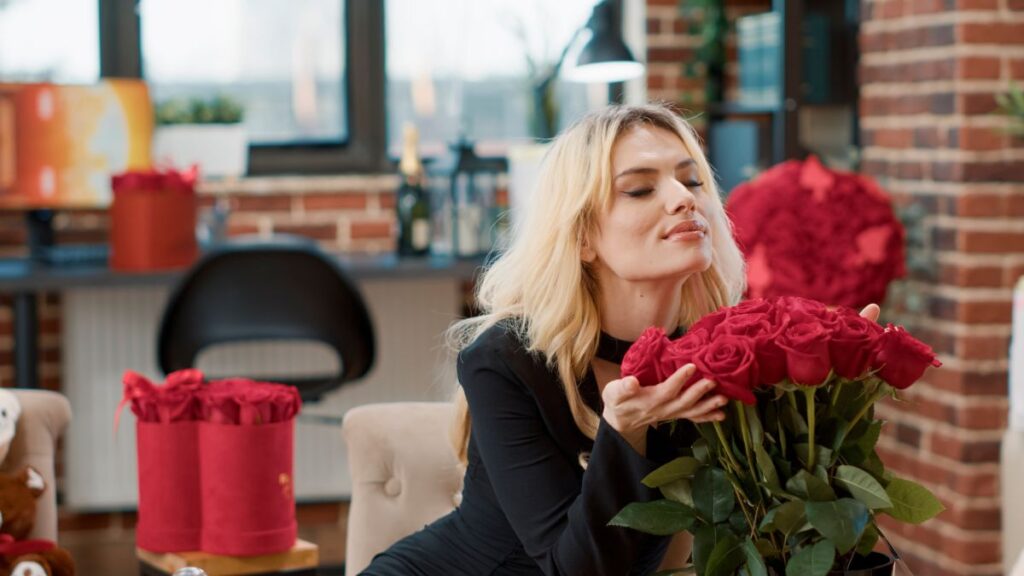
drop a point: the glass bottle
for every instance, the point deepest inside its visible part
(413, 203)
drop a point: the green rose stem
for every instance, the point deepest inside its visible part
(881, 392)
(792, 400)
(745, 432)
(725, 446)
(809, 395)
(835, 394)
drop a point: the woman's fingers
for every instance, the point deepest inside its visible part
(618, 391)
(716, 416)
(695, 392)
(871, 312)
(673, 385)
(706, 406)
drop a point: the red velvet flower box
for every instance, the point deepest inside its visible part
(215, 464)
(153, 221)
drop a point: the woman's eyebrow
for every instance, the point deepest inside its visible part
(644, 170)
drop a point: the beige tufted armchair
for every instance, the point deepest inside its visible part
(404, 474)
(44, 416)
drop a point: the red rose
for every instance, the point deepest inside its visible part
(681, 351)
(900, 358)
(760, 327)
(729, 360)
(806, 348)
(853, 344)
(711, 320)
(806, 310)
(643, 359)
(754, 305)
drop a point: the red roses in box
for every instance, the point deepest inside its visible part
(762, 342)
(215, 464)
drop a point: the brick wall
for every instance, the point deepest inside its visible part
(929, 72)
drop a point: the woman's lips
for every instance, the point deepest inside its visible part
(687, 231)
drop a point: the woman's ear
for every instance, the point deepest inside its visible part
(587, 254)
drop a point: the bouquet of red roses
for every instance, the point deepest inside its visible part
(790, 483)
(809, 231)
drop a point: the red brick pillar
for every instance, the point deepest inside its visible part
(928, 80)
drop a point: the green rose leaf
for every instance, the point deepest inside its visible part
(793, 421)
(812, 561)
(810, 487)
(684, 467)
(768, 472)
(678, 491)
(842, 521)
(755, 563)
(874, 466)
(701, 451)
(705, 539)
(660, 517)
(822, 454)
(863, 487)
(868, 540)
(786, 518)
(911, 502)
(713, 495)
(754, 424)
(725, 557)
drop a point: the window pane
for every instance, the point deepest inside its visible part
(49, 41)
(466, 64)
(283, 59)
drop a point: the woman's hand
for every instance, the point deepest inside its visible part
(630, 408)
(871, 312)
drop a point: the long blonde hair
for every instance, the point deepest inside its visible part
(541, 279)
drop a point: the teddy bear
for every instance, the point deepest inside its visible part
(18, 494)
(18, 556)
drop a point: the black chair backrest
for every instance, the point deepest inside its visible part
(279, 290)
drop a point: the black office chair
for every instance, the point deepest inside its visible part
(283, 289)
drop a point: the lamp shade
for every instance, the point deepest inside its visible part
(605, 57)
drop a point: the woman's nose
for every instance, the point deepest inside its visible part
(680, 199)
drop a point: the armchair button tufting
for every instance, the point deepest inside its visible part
(393, 487)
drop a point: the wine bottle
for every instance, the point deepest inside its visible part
(413, 203)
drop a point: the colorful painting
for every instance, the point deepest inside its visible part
(59, 144)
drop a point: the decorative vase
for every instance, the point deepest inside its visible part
(220, 150)
(874, 564)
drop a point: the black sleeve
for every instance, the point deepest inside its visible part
(561, 525)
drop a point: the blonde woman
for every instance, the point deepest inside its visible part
(626, 230)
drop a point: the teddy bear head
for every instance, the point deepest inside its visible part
(18, 494)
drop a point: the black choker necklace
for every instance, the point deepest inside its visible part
(614, 350)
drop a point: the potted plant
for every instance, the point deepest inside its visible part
(208, 133)
(790, 482)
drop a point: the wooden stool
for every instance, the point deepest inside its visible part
(301, 560)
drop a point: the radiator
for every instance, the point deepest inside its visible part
(110, 330)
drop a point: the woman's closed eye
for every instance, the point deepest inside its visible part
(637, 193)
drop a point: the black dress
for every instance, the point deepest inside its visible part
(527, 505)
